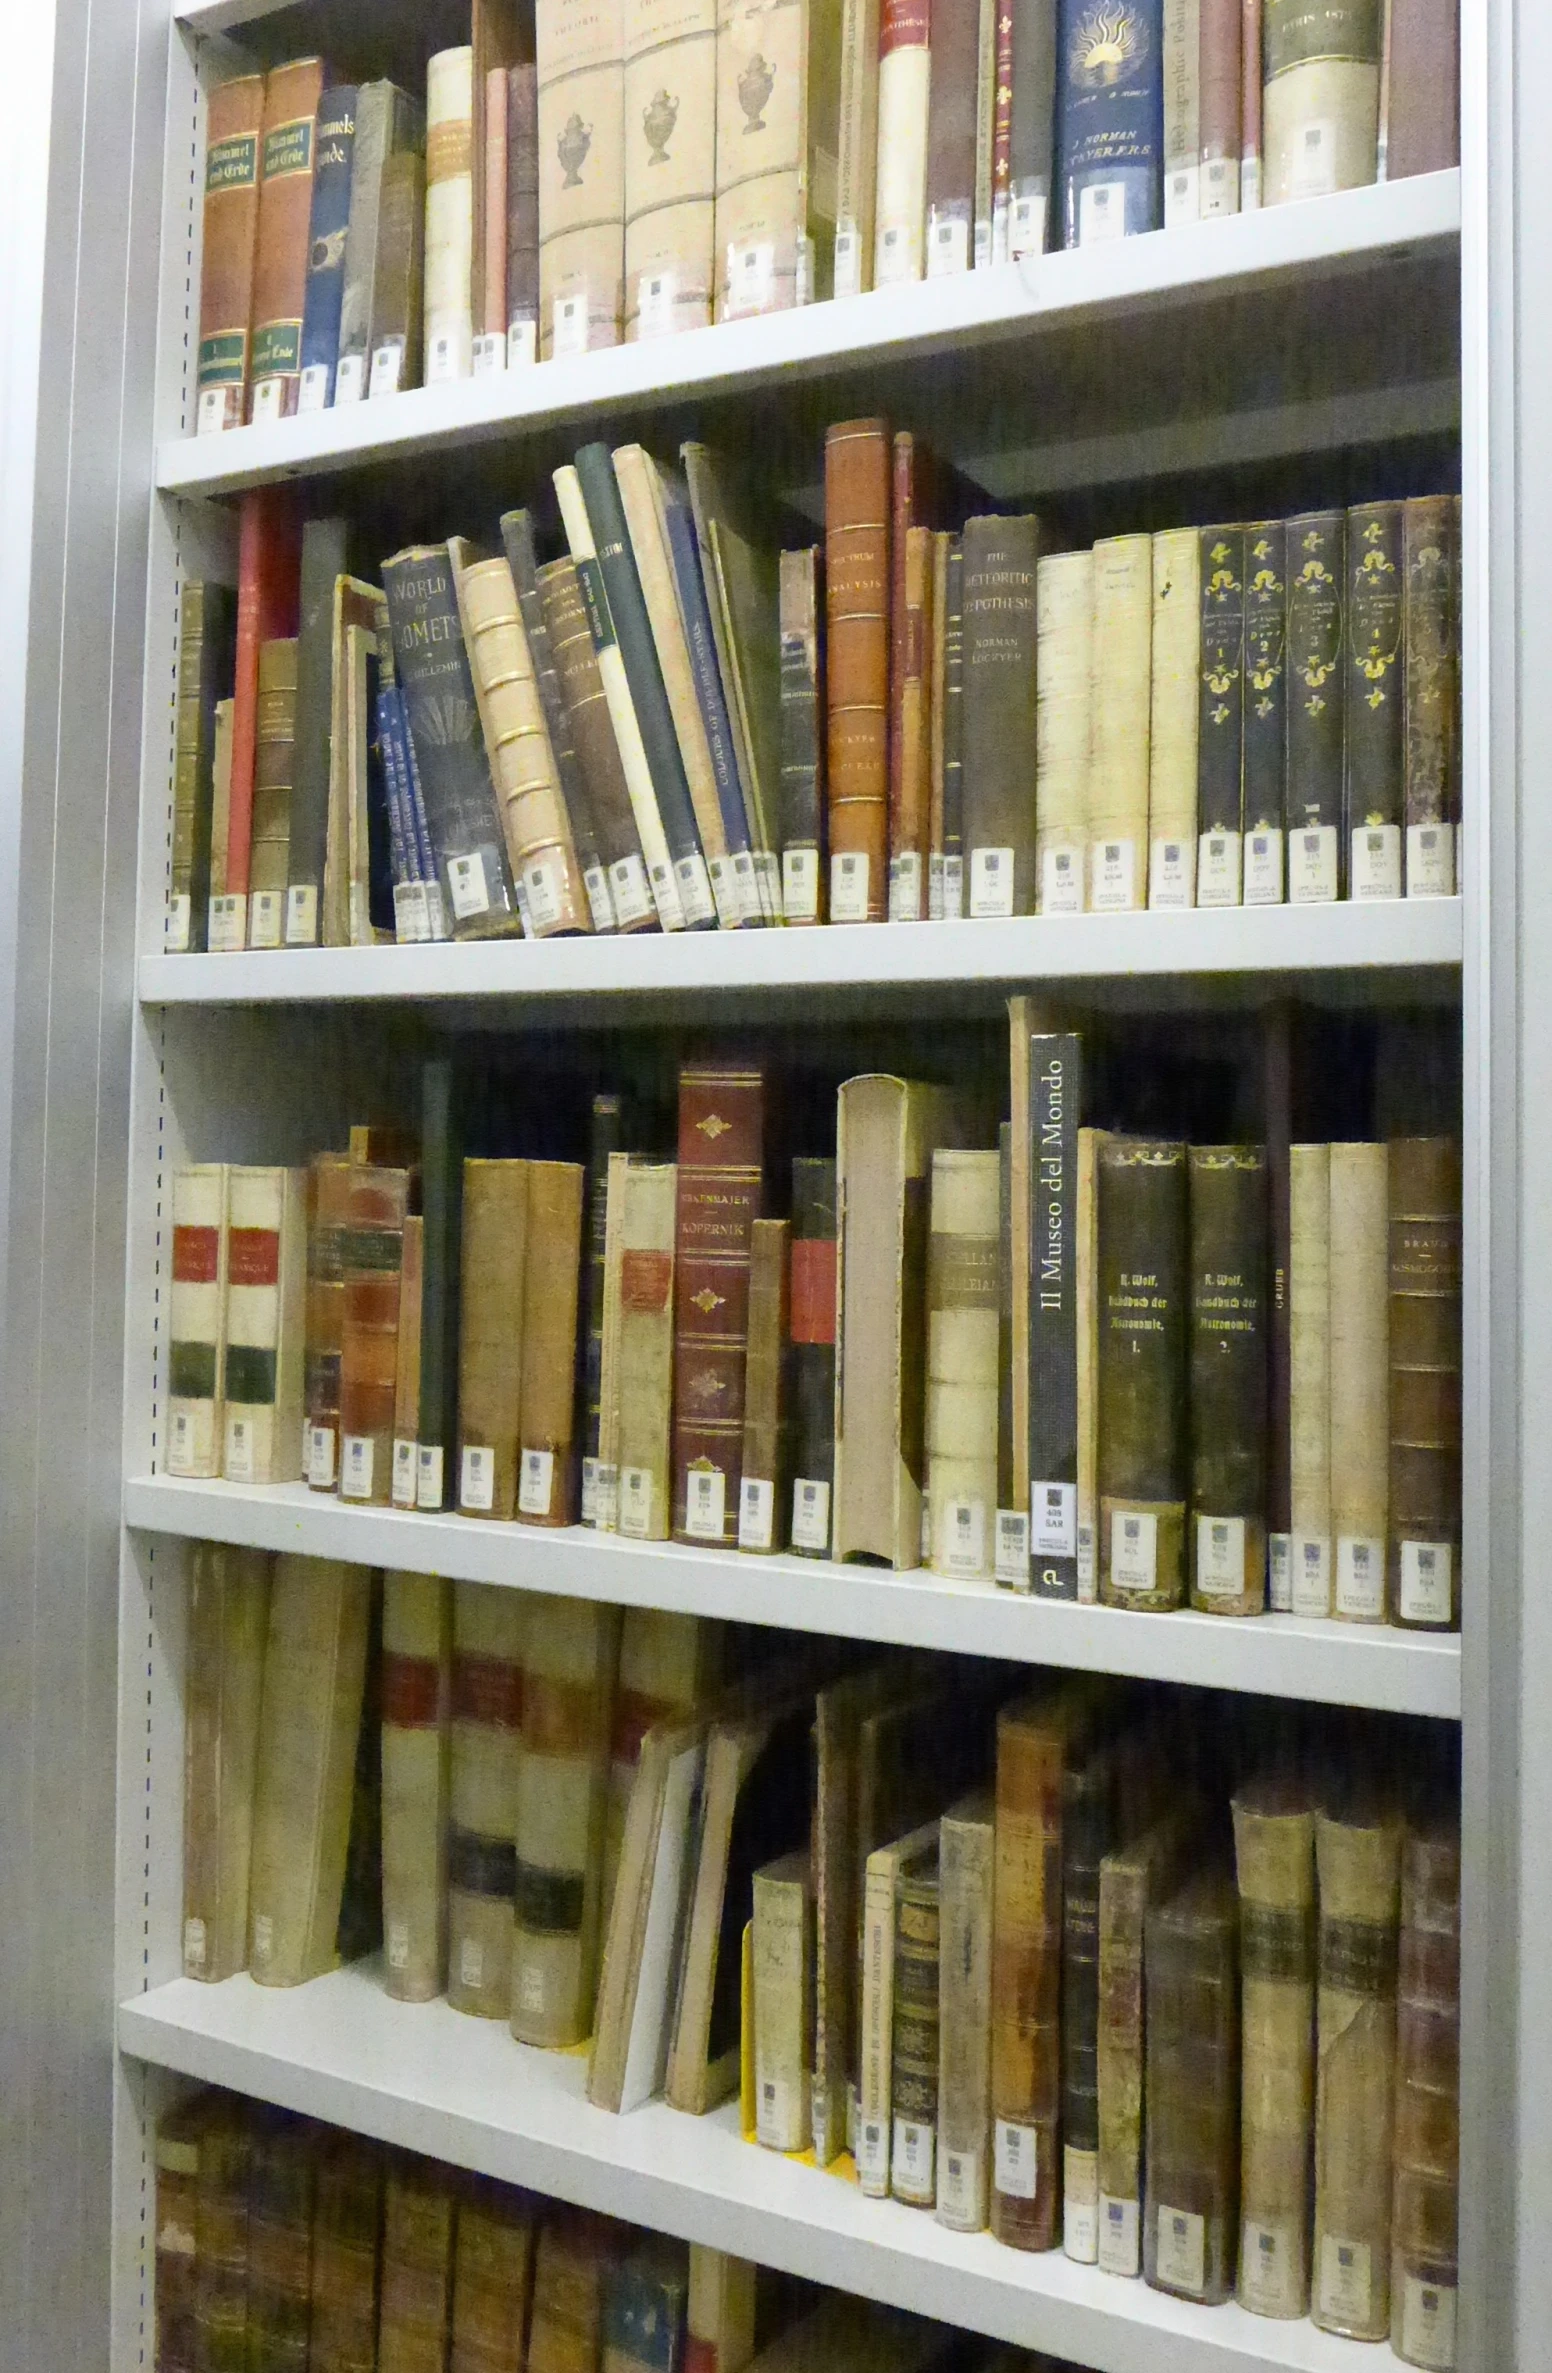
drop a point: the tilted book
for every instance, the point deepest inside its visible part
(599, 761)
(416, 1696)
(493, 2258)
(489, 1630)
(570, 1665)
(668, 1662)
(576, 797)
(227, 1621)
(739, 570)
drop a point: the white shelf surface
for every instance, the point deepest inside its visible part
(1397, 935)
(426, 2078)
(1271, 1656)
(1318, 238)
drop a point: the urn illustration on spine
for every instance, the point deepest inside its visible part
(658, 121)
(571, 148)
(755, 86)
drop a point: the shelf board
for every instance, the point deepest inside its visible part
(1273, 1656)
(1301, 245)
(423, 2077)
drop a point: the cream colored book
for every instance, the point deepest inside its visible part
(1360, 1379)
(1358, 1862)
(1064, 596)
(900, 173)
(220, 797)
(784, 2002)
(1309, 1378)
(449, 266)
(1320, 124)
(1274, 1848)
(778, 127)
(310, 1718)
(417, 1674)
(489, 1629)
(876, 2075)
(1121, 662)
(361, 650)
(636, 1417)
(492, 1285)
(228, 1619)
(857, 148)
(1087, 1286)
(517, 745)
(581, 73)
(670, 164)
(962, 1380)
(668, 1662)
(266, 1324)
(1176, 702)
(720, 2314)
(571, 1658)
(965, 1867)
(196, 1317)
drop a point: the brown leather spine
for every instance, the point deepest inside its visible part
(721, 1189)
(1422, 96)
(857, 513)
(373, 1255)
(956, 43)
(1425, 1353)
(492, 309)
(291, 98)
(490, 1337)
(233, 123)
(550, 1339)
(1218, 55)
(328, 1202)
(909, 822)
(910, 470)
(598, 753)
(767, 1423)
(1431, 660)
(523, 194)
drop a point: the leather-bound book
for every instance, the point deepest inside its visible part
(1274, 1848)
(1309, 1379)
(1277, 1049)
(280, 2231)
(857, 580)
(490, 1346)
(882, 1872)
(767, 1449)
(912, 475)
(839, 1711)
(420, 2208)
(314, 1672)
(965, 1881)
(1266, 711)
(909, 823)
(942, 543)
(406, 1373)
(1360, 1379)
(1376, 700)
(1425, 2212)
(671, 52)
(1358, 1857)
(325, 559)
(1176, 716)
(570, 1664)
(433, 669)
(196, 1351)
(489, 1628)
(1109, 127)
(1182, 112)
(546, 1487)
(1317, 643)
(1423, 1588)
(1143, 1337)
(326, 237)
(234, 121)
(1064, 708)
(1132, 1878)
(581, 76)
(1220, 80)
(802, 809)
(398, 317)
(598, 755)
(1088, 1820)
(914, 2029)
(813, 1323)
(1055, 1070)
(1032, 136)
(522, 222)
(950, 713)
(416, 1703)
(959, 1532)
(493, 2253)
(1219, 751)
(951, 141)
(267, 584)
(221, 2234)
(1431, 640)
(440, 1300)
(1034, 1739)
(347, 2230)
(228, 1616)
(266, 1321)
(783, 2002)
(720, 1192)
(605, 1138)
(389, 145)
(274, 772)
(376, 1207)
(286, 166)
(180, 2134)
(1420, 97)
(492, 288)
(635, 1481)
(1228, 1360)
(206, 625)
(1193, 2045)
(857, 153)
(328, 1196)
(522, 559)
(1322, 100)
(1121, 660)
(566, 2320)
(450, 211)
(1000, 739)
(900, 176)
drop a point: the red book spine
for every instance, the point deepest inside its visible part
(905, 24)
(1250, 105)
(1002, 134)
(268, 583)
(720, 1196)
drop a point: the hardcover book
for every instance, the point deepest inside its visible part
(442, 1198)
(913, 2083)
(1425, 2212)
(1032, 125)
(1322, 98)
(900, 177)
(802, 832)
(416, 1700)
(952, 114)
(420, 2208)
(856, 147)
(347, 2228)
(234, 119)
(1431, 638)
(1423, 1582)
(1176, 716)
(265, 1331)
(1376, 701)
(1121, 660)
(1219, 761)
(493, 2259)
(490, 1348)
(1358, 1857)
(517, 538)
(489, 1629)
(1265, 711)
(450, 205)
(671, 70)
(598, 753)
(1309, 1379)
(767, 1449)
(581, 62)
(1056, 1097)
(406, 1372)
(1143, 1467)
(325, 559)
(227, 1621)
(1420, 94)
(720, 1192)
(1109, 120)
(287, 163)
(1132, 1877)
(813, 1322)
(635, 1477)
(546, 1483)
(1220, 73)
(377, 1201)
(783, 2002)
(383, 240)
(1360, 1379)
(1274, 1845)
(196, 1350)
(328, 1198)
(280, 2219)
(1088, 1819)
(960, 1521)
(739, 571)
(1034, 1739)
(1227, 1381)
(882, 1874)
(274, 771)
(857, 583)
(267, 572)
(1317, 643)
(1065, 614)
(570, 1665)
(1000, 709)
(965, 1881)
(327, 231)
(206, 629)
(1193, 2046)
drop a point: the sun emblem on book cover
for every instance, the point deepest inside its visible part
(1108, 41)
(445, 718)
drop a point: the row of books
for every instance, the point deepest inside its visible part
(1101, 1966)
(579, 174)
(1088, 1363)
(674, 724)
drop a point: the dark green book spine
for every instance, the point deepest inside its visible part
(325, 559)
(1087, 1816)
(802, 797)
(1228, 1378)
(811, 1322)
(954, 733)
(441, 1160)
(1317, 567)
(1376, 699)
(518, 541)
(1430, 537)
(1219, 770)
(1055, 1104)
(606, 1137)
(206, 660)
(1266, 689)
(997, 710)
(1143, 1256)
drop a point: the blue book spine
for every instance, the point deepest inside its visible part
(389, 729)
(326, 241)
(684, 554)
(1110, 118)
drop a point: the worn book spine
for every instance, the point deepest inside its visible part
(1309, 1379)
(327, 232)
(234, 120)
(1317, 642)
(1265, 711)
(900, 175)
(450, 204)
(767, 1447)
(416, 1705)
(286, 168)
(1274, 1848)
(605, 1137)
(1026, 1974)
(1131, 1878)
(576, 799)
(1322, 92)
(802, 808)
(441, 1196)
(1086, 1288)
(909, 836)
(1056, 1096)
(855, 214)
(959, 1535)
(571, 1659)
(1121, 661)
(668, 1663)
(221, 2234)
(1143, 1336)
(420, 2208)
(328, 1192)
(637, 1438)
(1376, 701)
(763, 99)
(1277, 1060)
(196, 1350)
(857, 579)
(998, 100)
(1219, 775)
(1252, 106)
(1176, 718)
(492, 293)
(911, 475)
(522, 223)
(1191, 2187)
(390, 134)
(1182, 112)
(490, 1336)
(949, 716)
(1425, 2213)
(1031, 137)
(547, 1479)
(986, 95)
(1431, 648)
(721, 1187)
(398, 297)
(406, 1380)
(280, 2219)
(914, 2106)
(227, 1620)
(598, 755)
(812, 1319)
(1423, 1579)
(325, 559)
(783, 2003)
(489, 1627)
(581, 80)
(1088, 1814)
(1421, 99)
(206, 623)
(1360, 1379)
(942, 543)
(347, 2232)
(671, 119)
(1000, 708)
(493, 2256)
(718, 701)
(180, 2135)
(274, 772)
(371, 1262)
(266, 610)
(1227, 1384)
(1220, 75)
(1063, 716)
(1358, 1859)
(266, 1321)
(966, 1872)
(951, 141)
(1110, 126)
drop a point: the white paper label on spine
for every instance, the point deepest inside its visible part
(1182, 195)
(1220, 187)
(488, 355)
(546, 893)
(177, 925)
(1026, 222)
(767, 874)
(1374, 862)
(356, 1467)
(397, 1941)
(694, 886)
(266, 918)
(449, 355)
(773, 2113)
(536, 1483)
(935, 887)
(953, 889)
(1118, 2236)
(724, 891)
(1011, 1566)
(1088, 1565)
(599, 905)
(800, 885)
(1263, 868)
(1309, 1557)
(961, 1549)
(349, 380)
(302, 915)
(1113, 877)
(193, 1946)
(959, 2187)
(411, 925)
(466, 878)
(1218, 869)
(948, 241)
(991, 883)
(1134, 1549)
(523, 915)
(1428, 2324)
(1061, 882)
(810, 1514)
(471, 1963)
(569, 326)
(402, 1490)
(1342, 2280)
(849, 887)
(237, 1464)
(1101, 213)
(751, 277)
(228, 926)
(635, 1503)
(1080, 2205)
(477, 1479)
(211, 416)
(665, 897)
(1053, 1519)
(606, 1497)
(1250, 185)
(657, 294)
(848, 260)
(630, 891)
(1015, 2164)
(320, 1457)
(1313, 170)
(387, 368)
(756, 1512)
(1360, 1579)
(1312, 854)
(911, 2166)
(1430, 861)
(312, 393)
(1279, 1554)
(905, 888)
(705, 1500)
(873, 2154)
(1220, 1556)
(522, 341)
(1269, 2278)
(1425, 1581)
(269, 402)
(428, 1474)
(983, 242)
(1172, 873)
(1180, 2248)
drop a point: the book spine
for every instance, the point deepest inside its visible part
(419, 2208)
(371, 1262)
(325, 559)
(900, 179)
(450, 200)
(855, 216)
(606, 1132)
(1358, 1868)
(563, 1785)
(1252, 103)
(721, 1115)
(486, 1751)
(1309, 1379)
(1032, 132)
(442, 1166)
(286, 172)
(1317, 573)
(1425, 2215)
(493, 315)
(857, 580)
(1002, 135)
(999, 712)
(706, 672)
(178, 2270)
(1274, 1846)
(1266, 712)
(941, 542)
(233, 134)
(783, 2008)
(1119, 2077)
(1176, 716)
(1086, 1287)
(1423, 1589)
(1219, 772)
(1026, 1979)
(951, 140)
(399, 281)
(1110, 130)
(328, 1186)
(812, 1306)
(1375, 794)
(266, 594)
(598, 754)
(802, 706)
(953, 722)
(1086, 1822)
(959, 1535)
(280, 2216)
(196, 1351)
(638, 1433)
(671, 178)
(1191, 2224)
(376, 112)
(909, 840)
(914, 2040)
(1321, 103)
(266, 1287)
(206, 625)
(1422, 89)
(965, 2016)
(493, 1270)
(1277, 1107)
(1182, 112)
(416, 1699)
(1431, 641)
(1121, 663)
(1056, 1101)
(1143, 1253)
(522, 220)
(327, 234)
(1228, 1366)
(228, 1612)
(762, 1513)
(1221, 129)
(518, 543)
(876, 2021)
(406, 1380)
(909, 467)
(493, 2253)
(546, 1491)
(1360, 1379)
(1066, 612)
(274, 769)
(581, 86)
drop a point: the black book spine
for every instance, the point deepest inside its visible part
(441, 1159)
(1376, 705)
(518, 540)
(1219, 776)
(1032, 134)
(811, 1323)
(607, 1136)
(802, 798)
(325, 559)
(214, 662)
(954, 735)
(1143, 1285)
(1266, 681)
(1317, 544)
(1228, 1377)
(1056, 1087)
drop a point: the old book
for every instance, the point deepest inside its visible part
(644, 1923)
(801, 828)
(566, 2320)
(740, 888)
(605, 1138)
(1376, 701)
(840, 1709)
(1425, 2210)
(1358, 1857)
(1252, 106)
(1032, 126)
(720, 1191)
(286, 168)
(314, 1670)
(196, 1320)
(1000, 707)
(951, 141)
(493, 2255)
(265, 1325)
(1227, 1381)
(942, 548)
(357, 632)
(900, 174)
(335, 143)
(221, 2233)
(1089, 1810)
(857, 147)
(1360, 1379)
(739, 568)
(450, 215)
(227, 1620)
(720, 2311)
(581, 63)
(1143, 1340)
(965, 1880)
(766, 1461)
(442, 1201)
(1264, 761)
(220, 803)
(398, 300)
(635, 1464)
(406, 1375)
(522, 213)
(857, 583)
(493, 1285)
(325, 559)
(1219, 753)
(949, 714)
(206, 627)
(570, 1664)
(911, 786)
(1109, 128)
(280, 2220)
(267, 572)
(1309, 1379)
(489, 1629)
(987, 100)
(961, 1415)
(420, 2208)
(1423, 1584)
(1175, 720)
(1322, 101)
(1220, 77)
(1132, 1878)
(1065, 614)
(1274, 1847)
(778, 107)
(234, 120)
(598, 753)
(783, 2002)
(416, 1698)
(644, 2307)
(517, 538)
(389, 141)
(1086, 1275)
(180, 2136)
(668, 1663)
(1121, 660)
(328, 1197)
(274, 770)
(1182, 112)
(1431, 646)
(1034, 1737)
(914, 2025)
(491, 286)
(1317, 643)
(347, 2230)
(1419, 126)
(879, 1905)
(1055, 1076)
(1193, 2053)
(377, 1202)
(996, 91)
(845, 2331)
(813, 1324)
(546, 1481)
(1277, 1060)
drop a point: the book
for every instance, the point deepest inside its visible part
(1000, 714)
(914, 2025)
(1423, 1583)
(546, 1478)
(267, 572)
(1182, 112)
(384, 244)
(857, 147)
(1252, 106)
(406, 1372)
(416, 1699)
(234, 118)
(265, 1325)
(1032, 127)
(522, 559)
(1274, 1848)
(357, 629)
(644, 2307)
(1175, 719)
(220, 804)
(948, 718)
(221, 2234)
(605, 1134)
(581, 80)
(566, 2319)
(765, 1467)
(1358, 1859)
(489, 1630)
(911, 735)
(993, 100)
(846, 2332)
(1220, 799)
(274, 766)
(450, 212)
(636, 1477)
(325, 559)
(420, 2206)
(720, 1191)
(280, 2221)
(1419, 119)
(493, 2257)
(1220, 71)
(952, 117)
(599, 762)
(1265, 726)
(965, 1882)
(1228, 1378)
(1374, 798)
(739, 572)
(1360, 1379)
(493, 1284)
(491, 292)
(884, 1872)
(1193, 2050)
(1109, 123)
(571, 1658)
(314, 1672)
(1431, 640)
(1425, 2209)
(1055, 1071)
(328, 1195)
(1064, 610)
(1317, 642)
(287, 163)
(857, 579)
(670, 119)
(900, 173)
(1143, 1340)
(667, 1665)
(377, 1201)
(960, 1520)
(206, 625)
(1309, 1379)
(347, 2225)
(813, 1325)
(228, 1612)
(1321, 105)
(180, 2133)
(1277, 1060)
(1087, 1294)
(327, 231)
(441, 1297)
(783, 2002)
(720, 2311)
(647, 1891)
(196, 1320)
(739, 891)
(1034, 1736)
(1133, 1876)
(1121, 661)
(1088, 1821)
(839, 1711)
(996, 91)
(802, 826)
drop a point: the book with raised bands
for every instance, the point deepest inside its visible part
(233, 124)
(493, 2257)
(570, 1665)
(286, 168)
(1088, 1820)
(196, 1350)
(1132, 1877)
(1431, 637)
(581, 76)
(490, 1350)
(1423, 1583)
(376, 1205)
(347, 2231)
(450, 214)
(1034, 1739)
(1322, 97)
(1358, 1857)
(547, 1482)
(1000, 714)
(1425, 2212)
(1227, 1383)
(1274, 1845)
(720, 1192)
(635, 1470)
(965, 1881)
(857, 666)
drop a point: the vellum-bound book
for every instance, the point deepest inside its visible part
(581, 45)
(1274, 1847)
(1359, 1862)
(778, 131)
(638, 1349)
(449, 252)
(783, 2001)
(1426, 2207)
(493, 2254)
(1121, 660)
(228, 1617)
(670, 164)
(1132, 1878)
(420, 2207)
(1322, 98)
(546, 1465)
(490, 1346)
(1175, 717)
(1309, 1378)
(668, 1662)
(570, 1666)
(1192, 2185)
(1065, 610)
(196, 1352)
(961, 1423)
(417, 1651)
(1034, 1738)
(1360, 1378)
(489, 1629)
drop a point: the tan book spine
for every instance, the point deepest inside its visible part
(607, 1474)
(1425, 2214)
(966, 1874)
(941, 544)
(1423, 1587)
(570, 1667)
(900, 175)
(489, 1629)
(266, 1324)
(221, 795)
(274, 778)
(1309, 1376)
(1182, 112)
(493, 284)
(1064, 702)
(910, 823)
(1131, 1878)
(1175, 717)
(228, 1618)
(875, 2091)
(1359, 1864)
(581, 60)
(420, 2208)
(1087, 1277)
(449, 255)
(857, 160)
(667, 1664)
(960, 1533)
(783, 2002)
(763, 1506)
(406, 1383)
(1121, 661)
(546, 1492)
(670, 164)
(1274, 1846)
(644, 1363)
(1026, 1973)
(493, 2258)
(1360, 1378)
(1321, 109)
(416, 1683)
(196, 1351)
(490, 1342)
